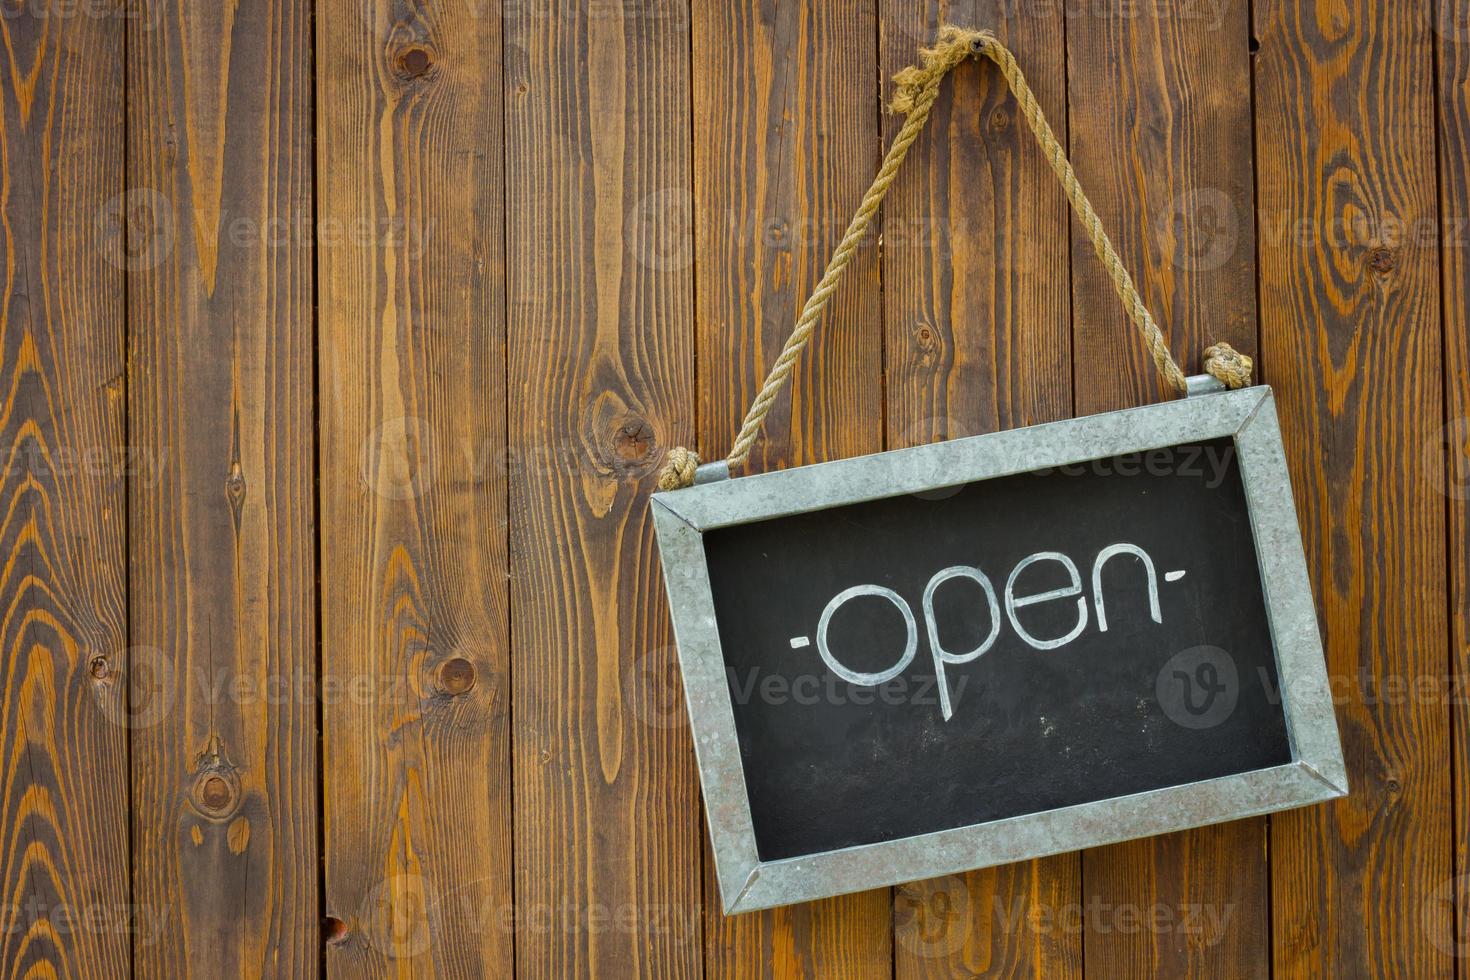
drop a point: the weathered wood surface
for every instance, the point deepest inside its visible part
(1351, 339)
(784, 146)
(222, 536)
(600, 330)
(416, 643)
(439, 352)
(1159, 101)
(63, 509)
(976, 301)
(1449, 910)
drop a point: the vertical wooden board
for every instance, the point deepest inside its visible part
(1351, 338)
(1159, 99)
(976, 301)
(1449, 918)
(837, 937)
(785, 143)
(63, 721)
(222, 570)
(600, 347)
(416, 642)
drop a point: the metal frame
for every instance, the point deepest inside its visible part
(1316, 773)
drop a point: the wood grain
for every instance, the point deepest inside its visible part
(222, 569)
(600, 325)
(1448, 924)
(785, 143)
(1159, 100)
(416, 640)
(542, 260)
(63, 713)
(1350, 331)
(1159, 97)
(976, 304)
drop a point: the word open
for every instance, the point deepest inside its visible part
(1008, 601)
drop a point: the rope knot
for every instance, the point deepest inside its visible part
(920, 83)
(679, 467)
(1228, 365)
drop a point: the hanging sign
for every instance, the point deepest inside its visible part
(996, 648)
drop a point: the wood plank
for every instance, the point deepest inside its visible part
(785, 143)
(976, 303)
(1160, 107)
(222, 570)
(1446, 928)
(600, 346)
(1350, 335)
(413, 490)
(1159, 97)
(63, 632)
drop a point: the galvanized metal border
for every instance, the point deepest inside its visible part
(1316, 772)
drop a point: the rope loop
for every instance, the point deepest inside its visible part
(679, 467)
(1229, 365)
(917, 89)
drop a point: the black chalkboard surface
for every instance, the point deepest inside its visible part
(1125, 641)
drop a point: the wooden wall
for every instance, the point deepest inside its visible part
(340, 342)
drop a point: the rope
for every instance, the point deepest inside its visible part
(918, 88)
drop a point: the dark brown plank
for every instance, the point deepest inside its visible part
(1350, 336)
(222, 570)
(1446, 925)
(976, 301)
(63, 713)
(785, 143)
(1161, 139)
(601, 352)
(413, 496)
(1159, 99)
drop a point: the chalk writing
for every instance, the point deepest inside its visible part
(1010, 601)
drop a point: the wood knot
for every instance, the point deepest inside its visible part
(1381, 260)
(334, 931)
(215, 793)
(633, 442)
(1000, 121)
(456, 676)
(927, 344)
(414, 62)
(99, 668)
(235, 485)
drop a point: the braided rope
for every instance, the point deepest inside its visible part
(856, 230)
(918, 88)
(1153, 337)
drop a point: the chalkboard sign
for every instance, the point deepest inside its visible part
(990, 649)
